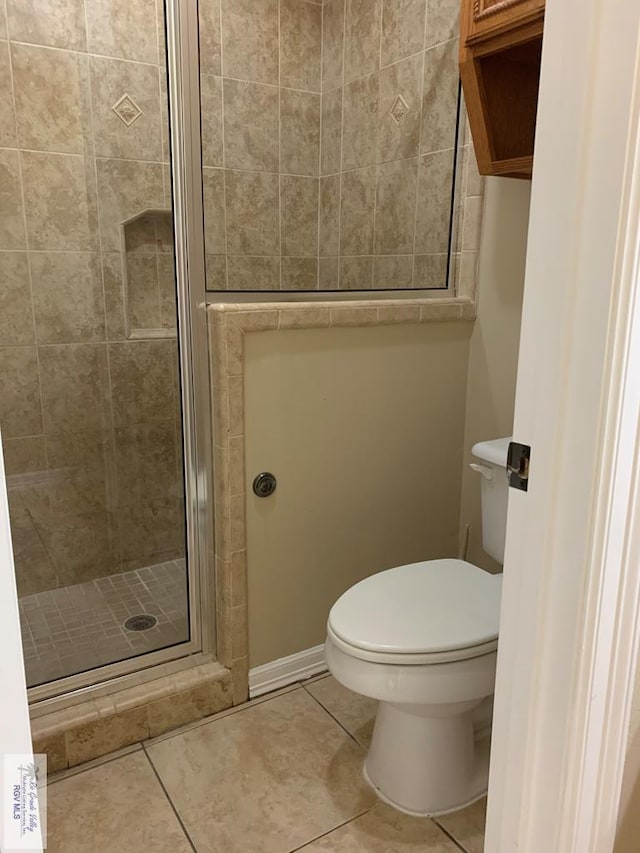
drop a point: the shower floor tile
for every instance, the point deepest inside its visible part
(76, 628)
(278, 775)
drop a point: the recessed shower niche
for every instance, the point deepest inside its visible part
(149, 275)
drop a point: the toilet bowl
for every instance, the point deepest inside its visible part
(422, 640)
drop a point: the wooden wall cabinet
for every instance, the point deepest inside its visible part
(500, 53)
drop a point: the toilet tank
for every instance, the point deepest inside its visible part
(494, 493)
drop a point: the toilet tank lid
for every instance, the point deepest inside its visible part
(494, 452)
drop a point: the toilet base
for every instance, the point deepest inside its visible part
(426, 765)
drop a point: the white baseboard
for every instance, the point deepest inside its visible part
(285, 671)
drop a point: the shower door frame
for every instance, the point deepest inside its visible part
(183, 67)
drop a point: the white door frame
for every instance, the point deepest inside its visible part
(571, 599)
(15, 727)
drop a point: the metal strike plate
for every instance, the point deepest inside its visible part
(518, 459)
(264, 485)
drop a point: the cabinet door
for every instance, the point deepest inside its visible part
(488, 17)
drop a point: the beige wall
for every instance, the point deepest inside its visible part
(364, 429)
(493, 352)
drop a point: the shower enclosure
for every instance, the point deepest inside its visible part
(104, 405)
(153, 156)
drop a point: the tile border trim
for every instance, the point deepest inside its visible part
(102, 725)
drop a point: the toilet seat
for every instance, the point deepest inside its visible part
(409, 659)
(437, 611)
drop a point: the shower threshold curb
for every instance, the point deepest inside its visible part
(98, 726)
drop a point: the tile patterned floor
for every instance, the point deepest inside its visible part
(280, 774)
(75, 628)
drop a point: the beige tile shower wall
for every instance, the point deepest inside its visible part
(389, 95)
(90, 420)
(260, 64)
(493, 353)
(328, 135)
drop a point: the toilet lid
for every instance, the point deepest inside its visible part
(422, 608)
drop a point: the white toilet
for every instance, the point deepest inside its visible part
(422, 639)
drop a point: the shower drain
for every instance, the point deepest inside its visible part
(140, 623)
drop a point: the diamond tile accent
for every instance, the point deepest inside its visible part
(127, 110)
(399, 110)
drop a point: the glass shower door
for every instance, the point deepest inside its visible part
(90, 373)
